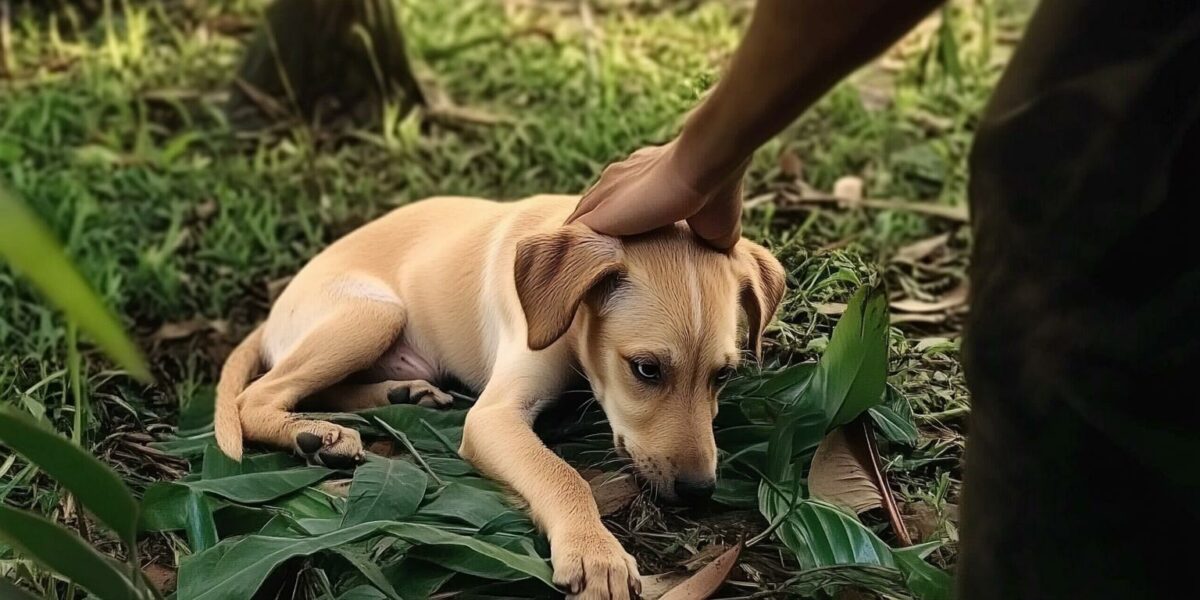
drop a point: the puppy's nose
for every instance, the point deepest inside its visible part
(694, 491)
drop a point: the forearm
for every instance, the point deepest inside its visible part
(792, 54)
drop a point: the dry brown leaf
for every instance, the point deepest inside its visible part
(845, 471)
(790, 165)
(831, 308)
(163, 578)
(654, 586)
(206, 209)
(916, 251)
(922, 520)
(613, 492)
(837, 477)
(177, 330)
(848, 189)
(708, 580)
(706, 555)
(952, 299)
(917, 318)
(336, 487)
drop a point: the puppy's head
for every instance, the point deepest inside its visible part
(658, 335)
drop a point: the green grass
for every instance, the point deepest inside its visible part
(113, 133)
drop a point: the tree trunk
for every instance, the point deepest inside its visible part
(325, 59)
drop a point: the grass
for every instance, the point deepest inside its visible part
(112, 130)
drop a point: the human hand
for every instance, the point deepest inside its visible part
(657, 186)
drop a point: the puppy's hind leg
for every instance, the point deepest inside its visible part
(352, 396)
(346, 341)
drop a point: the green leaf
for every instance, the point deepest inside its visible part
(313, 504)
(256, 488)
(406, 418)
(234, 569)
(31, 249)
(363, 592)
(821, 535)
(65, 553)
(370, 571)
(217, 465)
(925, 580)
(96, 486)
(201, 529)
(894, 418)
(384, 489)
(852, 373)
(10, 591)
(416, 578)
(463, 503)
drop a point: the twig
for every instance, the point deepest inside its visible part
(865, 429)
(945, 415)
(957, 214)
(6, 63)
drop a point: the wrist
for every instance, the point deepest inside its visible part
(701, 164)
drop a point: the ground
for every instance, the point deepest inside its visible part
(112, 129)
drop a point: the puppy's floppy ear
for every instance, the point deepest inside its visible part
(762, 288)
(555, 271)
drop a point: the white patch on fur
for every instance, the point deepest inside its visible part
(365, 288)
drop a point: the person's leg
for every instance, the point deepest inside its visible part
(1083, 344)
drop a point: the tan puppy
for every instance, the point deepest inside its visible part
(505, 299)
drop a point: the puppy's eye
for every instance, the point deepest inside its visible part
(723, 374)
(645, 370)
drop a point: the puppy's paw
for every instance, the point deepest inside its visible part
(327, 444)
(591, 565)
(421, 393)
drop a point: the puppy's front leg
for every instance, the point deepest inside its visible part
(498, 439)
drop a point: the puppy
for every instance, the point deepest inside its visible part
(504, 298)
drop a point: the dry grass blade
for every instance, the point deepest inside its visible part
(708, 580)
(916, 251)
(952, 299)
(655, 586)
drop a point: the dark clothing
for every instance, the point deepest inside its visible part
(1083, 344)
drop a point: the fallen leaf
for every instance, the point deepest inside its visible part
(613, 492)
(382, 448)
(917, 318)
(336, 487)
(839, 478)
(703, 557)
(952, 299)
(916, 251)
(708, 580)
(790, 165)
(654, 586)
(845, 471)
(206, 209)
(163, 578)
(922, 520)
(177, 330)
(831, 308)
(848, 189)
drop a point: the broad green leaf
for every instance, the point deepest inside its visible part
(256, 488)
(925, 580)
(822, 535)
(363, 592)
(30, 248)
(201, 529)
(234, 569)
(95, 485)
(414, 578)
(369, 570)
(406, 418)
(894, 418)
(852, 373)
(217, 465)
(384, 489)
(10, 591)
(313, 504)
(65, 553)
(458, 502)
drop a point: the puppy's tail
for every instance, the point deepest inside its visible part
(241, 366)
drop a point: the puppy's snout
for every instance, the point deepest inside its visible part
(694, 491)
